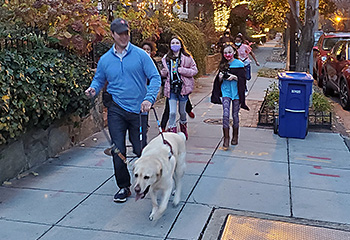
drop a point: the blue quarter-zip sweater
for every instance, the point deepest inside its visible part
(127, 78)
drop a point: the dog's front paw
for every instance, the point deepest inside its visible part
(155, 216)
(175, 203)
(151, 216)
(176, 199)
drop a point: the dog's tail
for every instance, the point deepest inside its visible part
(182, 135)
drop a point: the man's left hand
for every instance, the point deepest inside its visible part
(146, 106)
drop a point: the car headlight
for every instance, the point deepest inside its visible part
(323, 58)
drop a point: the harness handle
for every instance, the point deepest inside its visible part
(161, 132)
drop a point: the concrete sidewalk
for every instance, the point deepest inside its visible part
(302, 181)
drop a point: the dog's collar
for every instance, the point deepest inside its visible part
(171, 153)
(161, 133)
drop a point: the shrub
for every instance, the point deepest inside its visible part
(211, 35)
(272, 95)
(142, 26)
(320, 102)
(75, 23)
(38, 86)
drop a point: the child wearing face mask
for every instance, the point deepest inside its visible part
(244, 51)
(178, 68)
(229, 86)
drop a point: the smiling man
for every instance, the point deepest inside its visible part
(126, 68)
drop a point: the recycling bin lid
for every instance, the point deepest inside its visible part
(299, 76)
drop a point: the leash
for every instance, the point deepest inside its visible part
(161, 133)
(116, 150)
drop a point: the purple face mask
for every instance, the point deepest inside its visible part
(175, 48)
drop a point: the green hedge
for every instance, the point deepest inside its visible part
(38, 86)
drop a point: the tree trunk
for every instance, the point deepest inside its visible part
(307, 37)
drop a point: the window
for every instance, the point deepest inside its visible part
(184, 6)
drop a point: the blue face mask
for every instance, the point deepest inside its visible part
(238, 44)
(175, 48)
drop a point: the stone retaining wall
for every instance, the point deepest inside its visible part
(36, 146)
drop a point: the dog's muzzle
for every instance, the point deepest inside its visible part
(139, 194)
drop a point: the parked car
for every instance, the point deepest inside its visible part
(324, 46)
(317, 35)
(336, 70)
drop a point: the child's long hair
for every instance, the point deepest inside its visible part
(224, 65)
(183, 50)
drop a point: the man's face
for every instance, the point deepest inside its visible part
(122, 39)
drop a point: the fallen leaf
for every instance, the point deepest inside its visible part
(7, 183)
(22, 175)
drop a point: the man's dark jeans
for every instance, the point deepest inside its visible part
(119, 121)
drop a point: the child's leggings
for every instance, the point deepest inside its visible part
(226, 102)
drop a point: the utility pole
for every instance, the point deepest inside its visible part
(292, 43)
(311, 61)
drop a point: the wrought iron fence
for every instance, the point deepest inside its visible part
(267, 117)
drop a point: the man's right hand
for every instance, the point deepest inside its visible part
(90, 92)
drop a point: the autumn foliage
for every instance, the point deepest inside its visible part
(75, 23)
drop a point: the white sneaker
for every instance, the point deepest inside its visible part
(246, 92)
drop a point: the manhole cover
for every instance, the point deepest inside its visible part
(215, 121)
(248, 228)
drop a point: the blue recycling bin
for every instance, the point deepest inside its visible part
(294, 98)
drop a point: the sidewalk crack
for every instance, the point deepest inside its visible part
(289, 180)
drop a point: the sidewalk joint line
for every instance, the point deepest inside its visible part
(78, 204)
(289, 180)
(195, 185)
(201, 234)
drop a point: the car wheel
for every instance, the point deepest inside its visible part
(326, 89)
(344, 95)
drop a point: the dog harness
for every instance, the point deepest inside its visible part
(171, 153)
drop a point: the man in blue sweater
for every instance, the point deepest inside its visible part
(126, 68)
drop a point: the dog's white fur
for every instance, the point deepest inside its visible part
(155, 171)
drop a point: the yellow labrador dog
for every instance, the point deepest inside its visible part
(161, 164)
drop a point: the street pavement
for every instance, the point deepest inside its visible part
(294, 181)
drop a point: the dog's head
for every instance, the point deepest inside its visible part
(147, 171)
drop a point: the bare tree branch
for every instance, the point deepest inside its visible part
(293, 10)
